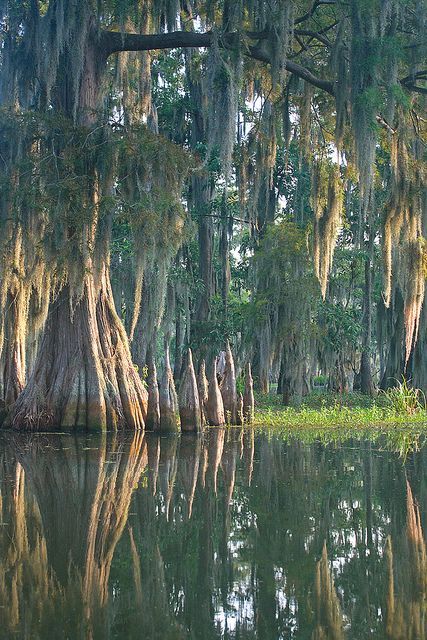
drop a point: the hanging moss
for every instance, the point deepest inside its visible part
(404, 245)
(263, 145)
(305, 119)
(222, 100)
(340, 65)
(327, 199)
(152, 171)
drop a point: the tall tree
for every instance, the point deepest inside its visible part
(75, 157)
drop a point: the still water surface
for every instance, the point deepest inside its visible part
(236, 535)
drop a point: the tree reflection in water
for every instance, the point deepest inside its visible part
(229, 535)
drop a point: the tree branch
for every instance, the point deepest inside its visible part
(309, 14)
(113, 42)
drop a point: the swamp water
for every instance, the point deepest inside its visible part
(236, 535)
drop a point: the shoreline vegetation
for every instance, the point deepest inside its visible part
(348, 410)
(181, 180)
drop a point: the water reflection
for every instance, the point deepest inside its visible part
(231, 535)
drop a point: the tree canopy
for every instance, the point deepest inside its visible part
(185, 172)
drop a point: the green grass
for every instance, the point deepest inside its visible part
(335, 418)
(321, 409)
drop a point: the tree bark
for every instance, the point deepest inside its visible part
(153, 411)
(169, 411)
(83, 376)
(248, 396)
(200, 197)
(338, 379)
(239, 410)
(228, 387)
(366, 382)
(215, 407)
(224, 251)
(13, 356)
(189, 403)
(203, 386)
(394, 336)
(113, 41)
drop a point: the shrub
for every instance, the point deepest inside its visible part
(404, 398)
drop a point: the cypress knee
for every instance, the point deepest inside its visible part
(152, 422)
(228, 387)
(214, 407)
(189, 403)
(220, 366)
(239, 409)
(248, 396)
(202, 385)
(168, 400)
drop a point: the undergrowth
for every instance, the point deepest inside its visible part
(323, 409)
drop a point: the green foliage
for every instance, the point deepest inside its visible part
(406, 399)
(339, 326)
(341, 411)
(65, 185)
(213, 333)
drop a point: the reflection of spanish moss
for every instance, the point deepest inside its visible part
(389, 608)
(65, 531)
(109, 515)
(188, 468)
(204, 554)
(416, 543)
(153, 451)
(228, 465)
(167, 469)
(27, 591)
(407, 579)
(248, 453)
(329, 619)
(215, 449)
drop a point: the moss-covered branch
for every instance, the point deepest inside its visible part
(113, 42)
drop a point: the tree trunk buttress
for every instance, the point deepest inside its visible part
(83, 376)
(366, 381)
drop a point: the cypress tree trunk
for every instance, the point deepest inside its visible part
(201, 193)
(200, 197)
(224, 250)
(366, 382)
(248, 396)
(153, 411)
(179, 342)
(83, 376)
(280, 379)
(418, 361)
(394, 335)
(13, 356)
(228, 387)
(338, 380)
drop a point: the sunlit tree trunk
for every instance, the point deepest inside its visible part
(13, 361)
(83, 375)
(366, 382)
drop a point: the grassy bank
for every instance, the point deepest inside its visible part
(321, 409)
(331, 418)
